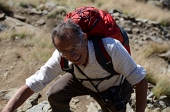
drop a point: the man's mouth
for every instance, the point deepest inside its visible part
(77, 58)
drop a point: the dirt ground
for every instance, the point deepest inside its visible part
(14, 70)
(14, 67)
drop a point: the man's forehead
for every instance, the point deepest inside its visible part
(67, 39)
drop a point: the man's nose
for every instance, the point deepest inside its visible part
(72, 53)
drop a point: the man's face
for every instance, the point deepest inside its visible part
(73, 49)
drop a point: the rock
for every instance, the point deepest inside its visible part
(41, 7)
(165, 55)
(17, 24)
(3, 27)
(116, 14)
(40, 22)
(166, 110)
(6, 95)
(2, 16)
(136, 30)
(154, 23)
(129, 108)
(141, 20)
(49, 5)
(92, 107)
(35, 11)
(43, 106)
(45, 12)
(128, 30)
(21, 18)
(29, 103)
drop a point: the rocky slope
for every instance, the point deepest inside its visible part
(140, 32)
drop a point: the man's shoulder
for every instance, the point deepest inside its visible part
(106, 41)
(109, 40)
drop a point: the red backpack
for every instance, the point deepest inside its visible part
(97, 24)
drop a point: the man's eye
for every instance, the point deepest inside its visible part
(64, 52)
(73, 49)
(76, 48)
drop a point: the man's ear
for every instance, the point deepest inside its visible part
(85, 37)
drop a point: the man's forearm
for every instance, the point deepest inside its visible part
(18, 99)
(141, 94)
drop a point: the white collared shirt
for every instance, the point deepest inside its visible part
(122, 63)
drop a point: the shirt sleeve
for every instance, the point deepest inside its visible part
(45, 74)
(124, 64)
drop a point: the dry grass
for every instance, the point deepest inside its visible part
(39, 43)
(156, 67)
(162, 87)
(16, 34)
(22, 2)
(41, 46)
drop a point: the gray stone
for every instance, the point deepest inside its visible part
(3, 27)
(21, 18)
(49, 5)
(35, 11)
(2, 16)
(41, 7)
(166, 110)
(40, 22)
(136, 30)
(141, 20)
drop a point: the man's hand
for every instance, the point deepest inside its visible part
(141, 94)
(18, 99)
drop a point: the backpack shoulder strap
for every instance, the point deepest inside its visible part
(125, 39)
(125, 36)
(102, 56)
(65, 67)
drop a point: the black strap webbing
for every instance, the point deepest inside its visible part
(125, 36)
(102, 56)
(95, 86)
(65, 67)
